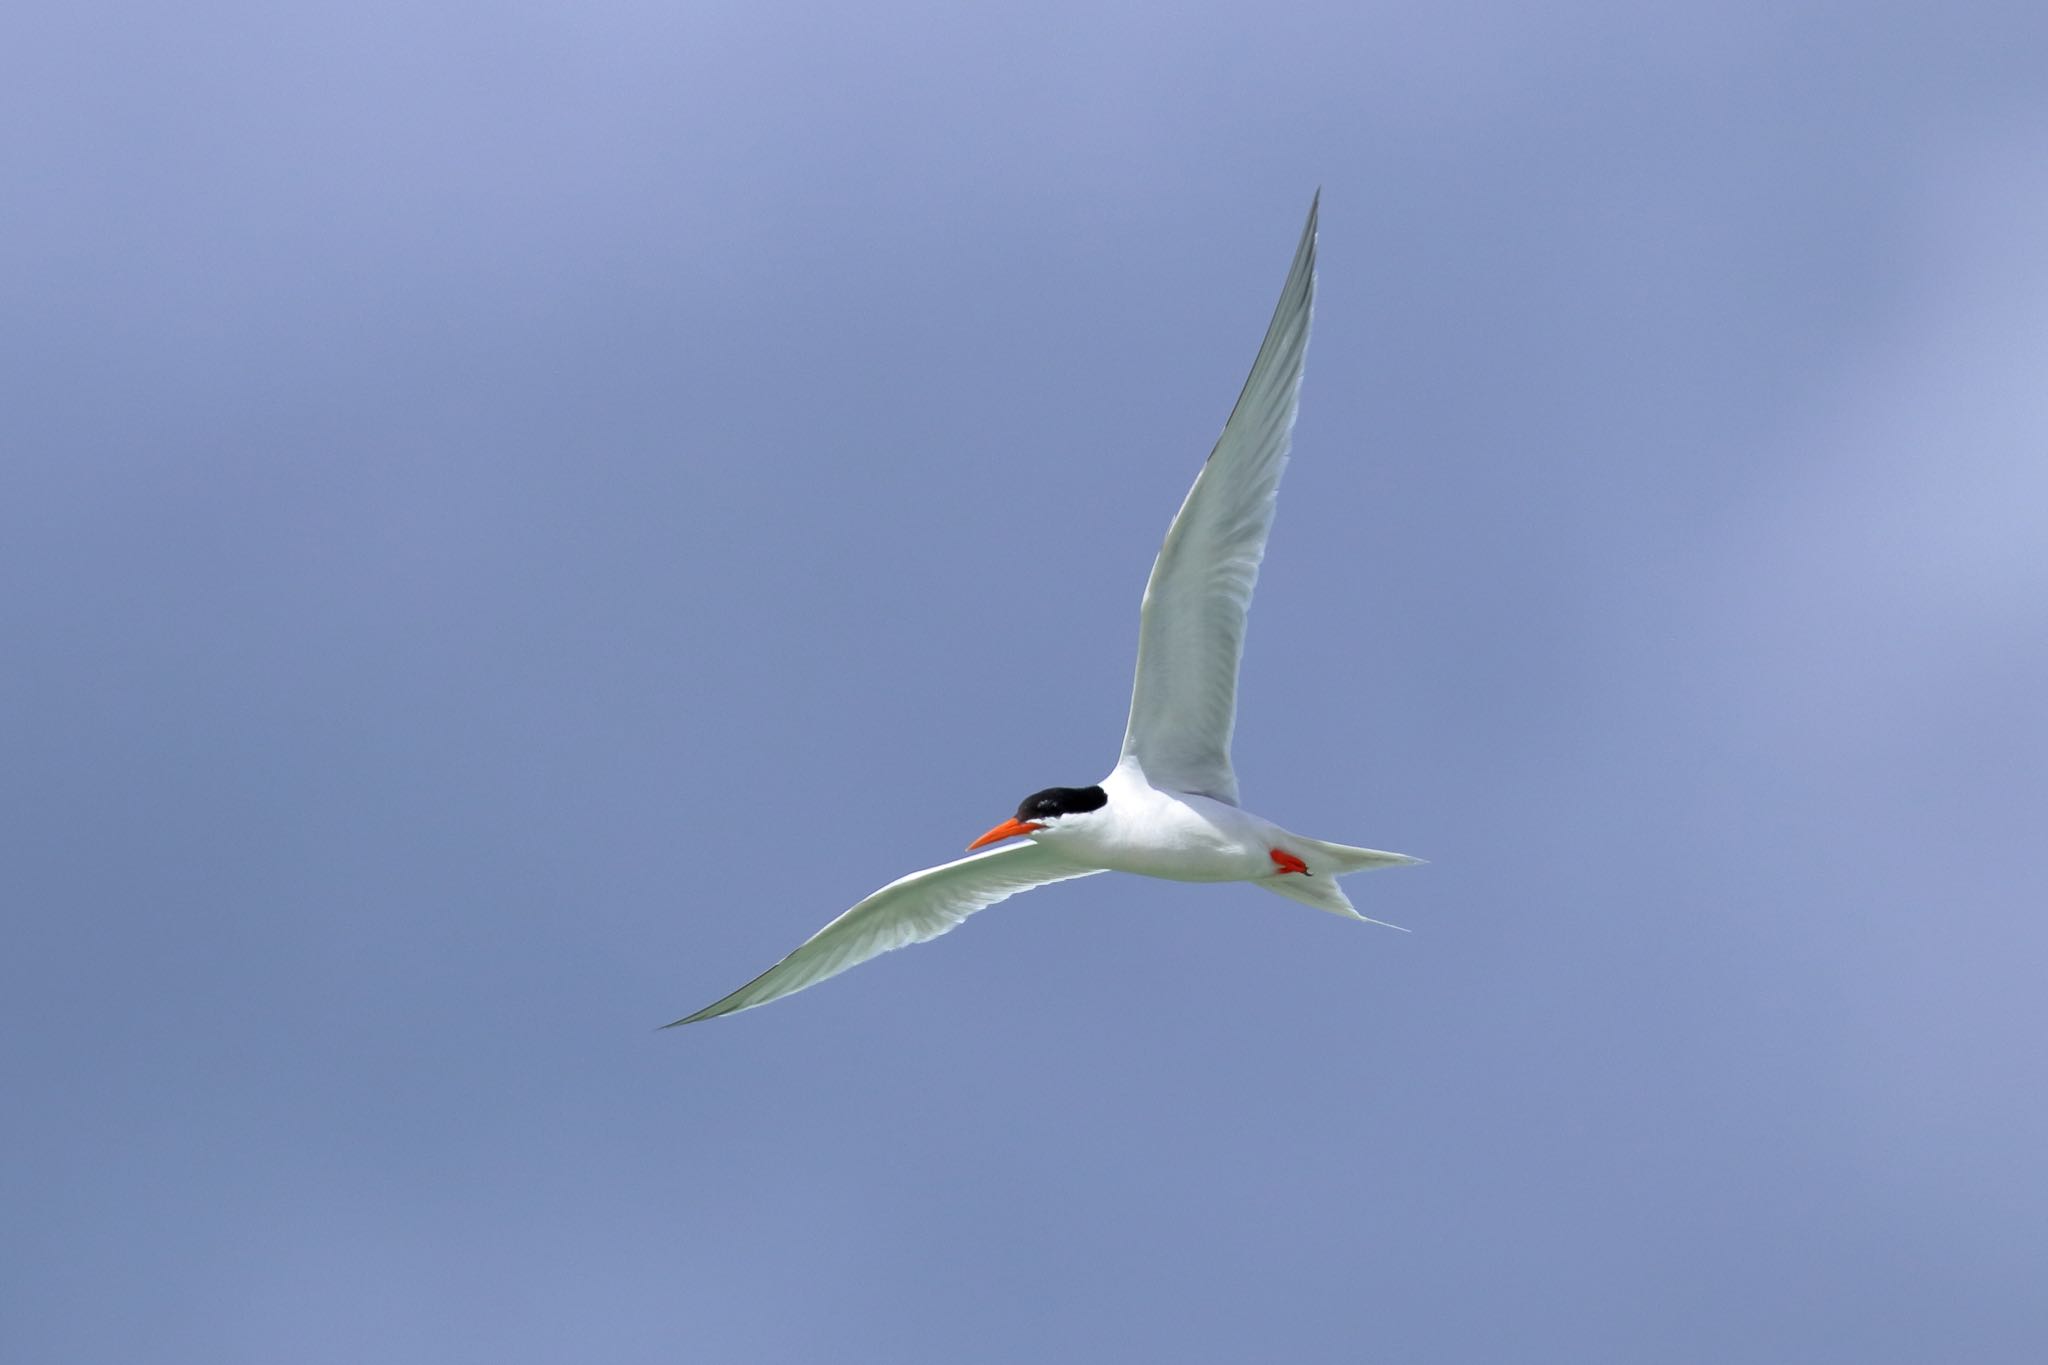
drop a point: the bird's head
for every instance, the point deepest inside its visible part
(1047, 810)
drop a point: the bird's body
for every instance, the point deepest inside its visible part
(1169, 808)
(1177, 836)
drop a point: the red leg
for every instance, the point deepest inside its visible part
(1287, 861)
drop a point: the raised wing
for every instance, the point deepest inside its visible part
(1184, 703)
(909, 910)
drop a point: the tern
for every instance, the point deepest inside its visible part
(1170, 806)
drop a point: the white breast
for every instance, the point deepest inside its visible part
(1167, 834)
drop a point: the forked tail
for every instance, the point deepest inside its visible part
(1343, 858)
(1326, 863)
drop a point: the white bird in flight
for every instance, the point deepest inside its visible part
(1169, 808)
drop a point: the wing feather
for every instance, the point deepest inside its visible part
(908, 910)
(1191, 631)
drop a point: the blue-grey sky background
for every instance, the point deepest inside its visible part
(511, 516)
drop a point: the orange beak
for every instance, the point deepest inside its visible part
(1009, 829)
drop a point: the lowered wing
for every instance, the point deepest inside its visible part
(908, 910)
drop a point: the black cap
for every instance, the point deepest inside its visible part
(1061, 801)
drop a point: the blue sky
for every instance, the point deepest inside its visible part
(512, 516)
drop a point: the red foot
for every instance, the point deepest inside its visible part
(1287, 861)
